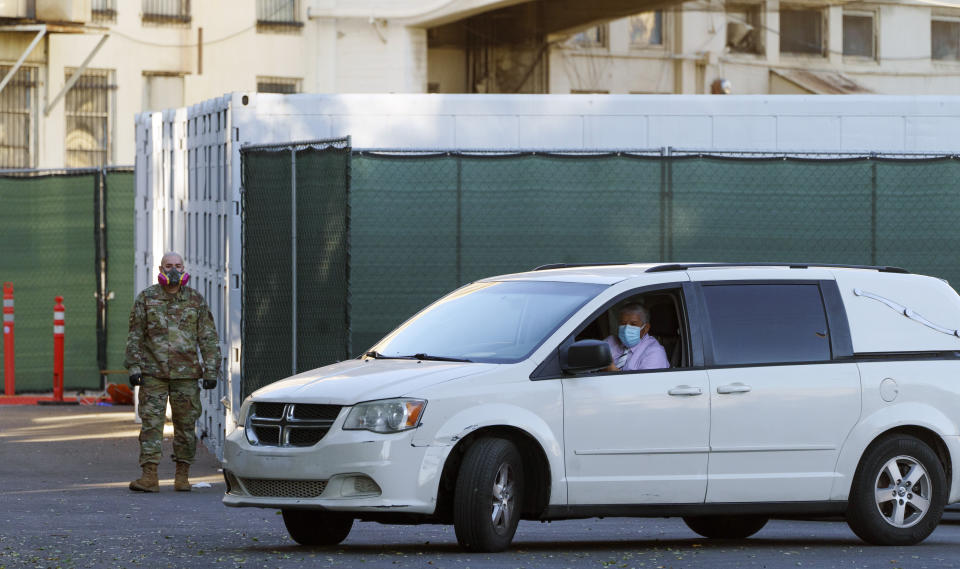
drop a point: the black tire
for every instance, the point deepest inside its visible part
(900, 464)
(488, 496)
(726, 527)
(314, 527)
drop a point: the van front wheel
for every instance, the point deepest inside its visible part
(488, 495)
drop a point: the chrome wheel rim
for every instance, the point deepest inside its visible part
(503, 498)
(903, 491)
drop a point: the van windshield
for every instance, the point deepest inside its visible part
(494, 322)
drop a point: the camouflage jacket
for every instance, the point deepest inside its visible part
(166, 331)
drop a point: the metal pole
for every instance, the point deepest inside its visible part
(663, 204)
(669, 208)
(873, 211)
(459, 218)
(293, 256)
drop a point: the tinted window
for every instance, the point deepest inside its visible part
(767, 323)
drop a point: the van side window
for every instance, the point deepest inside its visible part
(667, 323)
(767, 323)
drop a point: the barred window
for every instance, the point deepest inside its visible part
(282, 85)
(166, 11)
(18, 116)
(89, 109)
(278, 15)
(104, 10)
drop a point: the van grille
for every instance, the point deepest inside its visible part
(265, 488)
(290, 424)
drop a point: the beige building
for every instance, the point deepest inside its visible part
(73, 73)
(771, 46)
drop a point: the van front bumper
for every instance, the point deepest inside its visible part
(347, 471)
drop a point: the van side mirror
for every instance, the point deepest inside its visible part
(585, 356)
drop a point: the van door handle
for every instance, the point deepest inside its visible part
(685, 390)
(734, 388)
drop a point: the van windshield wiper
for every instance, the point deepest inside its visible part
(378, 356)
(422, 356)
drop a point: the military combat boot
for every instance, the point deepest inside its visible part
(180, 481)
(148, 481)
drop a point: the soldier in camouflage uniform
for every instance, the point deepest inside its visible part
(169, 324)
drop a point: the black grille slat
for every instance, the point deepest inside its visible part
(307, 437)
(291, 424)
(312, 412)
(268, 434)
(269, 410)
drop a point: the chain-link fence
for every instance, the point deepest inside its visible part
(418, 224)
(295, 259)
(68, 233)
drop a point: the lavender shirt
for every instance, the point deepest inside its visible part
(647, 354)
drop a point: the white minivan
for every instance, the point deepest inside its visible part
(780, 389)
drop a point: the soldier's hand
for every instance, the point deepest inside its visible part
(136, 379)
(209, 383)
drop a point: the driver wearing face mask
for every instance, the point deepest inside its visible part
(633, 348)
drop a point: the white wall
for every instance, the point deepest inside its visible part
(749, 122)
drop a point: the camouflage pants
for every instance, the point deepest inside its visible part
(184, 403)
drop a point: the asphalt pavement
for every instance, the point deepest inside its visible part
(64, 503)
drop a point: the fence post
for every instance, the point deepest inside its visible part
(293, 256)
(459, 219)
(100, 268)
(873, 209)
(58, 329)
(9, 380)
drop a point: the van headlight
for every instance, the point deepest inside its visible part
(385, 416)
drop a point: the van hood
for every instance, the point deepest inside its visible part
(354, 381)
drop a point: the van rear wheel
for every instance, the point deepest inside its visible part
(898, 492)
(316, 527)
(726, 527)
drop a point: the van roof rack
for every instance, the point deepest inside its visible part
(685, 266)
(574, 265)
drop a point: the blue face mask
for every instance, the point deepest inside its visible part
(630, 335)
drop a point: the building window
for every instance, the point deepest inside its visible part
(858, 35)
(593, 37)
(745, 28)
(801, 31)
(103, 10)
(18, 116)
(166, 12)
(278, 15)
(646, 29)
(282, 85)
(89, 113)
(945, 39)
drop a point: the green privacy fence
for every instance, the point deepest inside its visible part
(68, 233)
(295, 259)
(419, 224)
